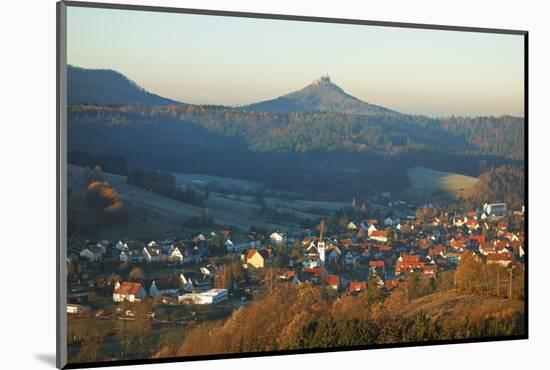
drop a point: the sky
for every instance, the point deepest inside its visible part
(236, 61)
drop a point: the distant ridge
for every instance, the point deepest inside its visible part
(105, 86)
(320, 96)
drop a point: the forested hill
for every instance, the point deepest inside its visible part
(318, 151)
(105, 86)
(318, 131)
(502, 184)
(320, 96)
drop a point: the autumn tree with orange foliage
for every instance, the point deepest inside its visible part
(102, 197)
(469, 272)
(305, 316)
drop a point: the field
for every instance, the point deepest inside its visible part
(186, 179)
(153, 216)
(427, 183)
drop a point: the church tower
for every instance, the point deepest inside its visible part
(321, 245)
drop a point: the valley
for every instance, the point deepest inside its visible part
(307, 221)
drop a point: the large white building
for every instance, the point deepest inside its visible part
(211, 296)
(495, 209)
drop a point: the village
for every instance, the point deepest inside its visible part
(224, 270)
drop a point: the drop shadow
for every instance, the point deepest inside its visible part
(46, 358)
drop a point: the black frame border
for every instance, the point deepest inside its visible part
(61, 353)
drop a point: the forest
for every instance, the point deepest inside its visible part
(319, 151)
(502, 184)
(164, 183)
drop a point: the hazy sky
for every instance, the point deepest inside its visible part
(233, 61)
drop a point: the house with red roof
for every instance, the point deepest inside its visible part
(503, 259)
(391, 284)
(438, 250)
(458, 221)
(258, 258)
(357, 287)
(479, 239)
(408, 263)
(472, 224)
(290, 276)
(424, 244)
(333, 281)
(457, 244)
(378, 266)
(385, 248)
(313, 274)
(428, 271)
(128, 291)
(379, 235)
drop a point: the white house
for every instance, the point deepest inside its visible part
(75, 309)
(380, 236)
(352, 226)
(187, 283)
(495, 209)
(93, 253)
(150, 254)
(278, 237)
(459, 221)
(121, 246)
(503, 259)
(176, 256)
(199, 239)
(123, 257)
(371, 229)
(237, 246)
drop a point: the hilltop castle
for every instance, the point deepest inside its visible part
(323, 80)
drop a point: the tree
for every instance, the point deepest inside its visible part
(414, 287)
(354, 332)
(469, 271)
(229, 275)
(90, 351)
(103, 197)
(375, 286)
(391, 235)
(238, 271)
(422, 329)
(281, 260)
(136, 273)
(270, 279)
(217, 241)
